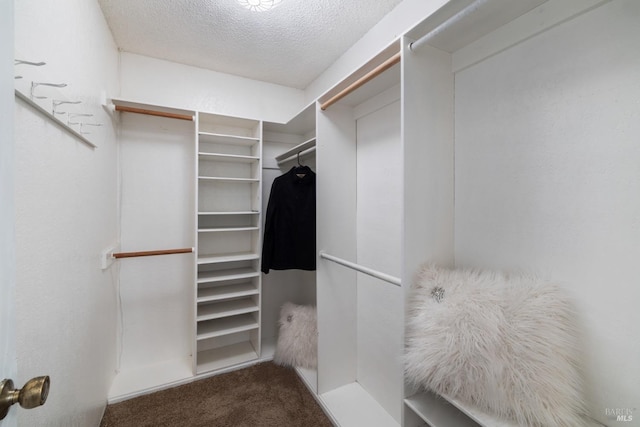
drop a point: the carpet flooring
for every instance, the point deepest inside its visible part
(262, 395)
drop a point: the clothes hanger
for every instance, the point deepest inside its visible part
(300, 170)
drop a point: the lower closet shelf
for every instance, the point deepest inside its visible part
(223, 357)
(218, 259)
(226, 326)
(352, 406)
(226, 308)
(227, 292)
(231, 274)
(438, 412)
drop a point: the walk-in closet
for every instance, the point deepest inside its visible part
(451, 141)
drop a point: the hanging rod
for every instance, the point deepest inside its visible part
(382, 276)
(304, 147)
(150, 253)
(299, 153)
(362, 80)
(470, 9)
(154, 113)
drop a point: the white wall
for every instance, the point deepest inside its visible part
(7, 197)
(65, 216)
(156, 81)
(547, 180)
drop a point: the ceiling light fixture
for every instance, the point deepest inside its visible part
(259, 5)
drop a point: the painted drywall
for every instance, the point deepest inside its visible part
(7, 216)
(401, 19)
(65, 215)
(547, 180)
(160, 82)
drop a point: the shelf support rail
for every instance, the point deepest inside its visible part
(362, 80)
(366, 270)
(151, 253)
(469, 10)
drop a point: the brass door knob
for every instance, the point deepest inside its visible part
(33, 394)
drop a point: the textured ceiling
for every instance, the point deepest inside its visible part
(289, 45)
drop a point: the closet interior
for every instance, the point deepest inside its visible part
(384, 152)
(286, 146)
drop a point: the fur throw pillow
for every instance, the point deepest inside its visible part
(298, 337)
(506, 343)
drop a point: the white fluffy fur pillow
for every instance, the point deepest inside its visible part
(507, 344)
(298, 338)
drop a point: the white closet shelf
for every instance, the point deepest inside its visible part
(227, 139)
(151, 107)
(226, 326)
(226, 292)
(203, 213)
(218, 229)
(438, 412)
(215, 259)
(224, 275)
(292, 152)
(232, 158)
(226, 179)
(218, 310)
(352, 406)
(445, 411)
(210, 360)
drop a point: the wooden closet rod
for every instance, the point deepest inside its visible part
(361, 81)
(150, 253)
(153, 113)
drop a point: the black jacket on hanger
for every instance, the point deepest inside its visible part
(290, 225)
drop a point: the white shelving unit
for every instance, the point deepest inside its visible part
(228, 283)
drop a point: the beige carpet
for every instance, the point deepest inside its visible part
(262, 395)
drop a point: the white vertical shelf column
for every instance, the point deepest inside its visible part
(359, 346)
(336, 222)
(427, 110)
(228, 283)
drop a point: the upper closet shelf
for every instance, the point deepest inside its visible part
(306, 147)
(226, 179)
(217, 229)
(227, 157)
(229, 213)
(227, 139)
(150, 109)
